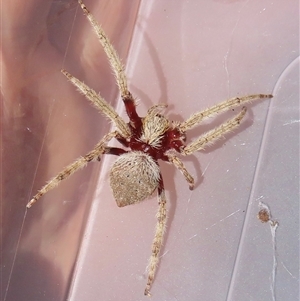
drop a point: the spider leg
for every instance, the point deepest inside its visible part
(99, 103)
(158, 238)
(211, 136)
(111, 53)
(117, 68)
(99, 149)
(178, 164)
(196, 118)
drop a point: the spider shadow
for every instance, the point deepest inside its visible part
(159, 75)
(26, 282)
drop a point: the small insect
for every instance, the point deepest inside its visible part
(135, 175)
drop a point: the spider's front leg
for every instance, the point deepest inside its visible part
(158, 238)
(99, 149)
(117, 68)
(100, 103)
(111, 53)
(224, 106)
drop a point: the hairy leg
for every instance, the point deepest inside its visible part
(226, 105)
(213, 135)
(158, 238)
(178, 164)
(111, 53)
(117, 68)
(99, 149)
(100, 104)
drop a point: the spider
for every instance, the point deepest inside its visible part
(135, 174)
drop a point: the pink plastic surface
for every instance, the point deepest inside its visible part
(76, 243)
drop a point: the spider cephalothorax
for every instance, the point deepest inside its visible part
(135, 175)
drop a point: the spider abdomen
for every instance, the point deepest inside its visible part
(133, 177)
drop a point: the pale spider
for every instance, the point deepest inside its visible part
(135, 174)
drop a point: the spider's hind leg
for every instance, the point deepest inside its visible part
(158, 238)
